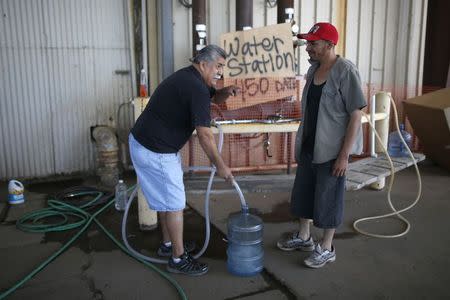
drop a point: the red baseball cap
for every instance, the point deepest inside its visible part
(321, 31)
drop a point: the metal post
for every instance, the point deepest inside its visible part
(131, 44)
(148, 218)
(144, 38)
(198, 18)
(244, 14)
(382, 105)
(282, 16)
(284, 6)
(372, 132)
(166, 37)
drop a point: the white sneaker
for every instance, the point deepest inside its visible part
(320, 257)
(292, 241)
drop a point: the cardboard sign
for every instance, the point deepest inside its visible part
(262, 52)
(261, 62)
(261, 89)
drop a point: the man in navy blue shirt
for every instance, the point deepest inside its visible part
(179, 105)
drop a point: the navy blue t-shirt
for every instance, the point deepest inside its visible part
(179, 104)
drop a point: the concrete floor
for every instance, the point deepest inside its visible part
(416, 266)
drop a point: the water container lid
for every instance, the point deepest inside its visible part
(244, 222)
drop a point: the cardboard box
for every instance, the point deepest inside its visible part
(429, 115)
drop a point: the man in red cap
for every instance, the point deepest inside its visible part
(332, 100)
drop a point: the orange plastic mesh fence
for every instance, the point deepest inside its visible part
(261, 151)
(251, 151)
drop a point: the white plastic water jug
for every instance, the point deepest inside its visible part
(15, 192)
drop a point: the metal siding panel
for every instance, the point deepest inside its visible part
(25, 135)
(232, 15)
(259, 13)
(414, 39)
(352, 34)
(218, 16)
(365, 37)
(390, 48)
(182, 35)
(378, 43)
(334, 12)
(306, 21)
(271, 16)
(323, 12)
(402, 48)
(423, 26)
(58, 60)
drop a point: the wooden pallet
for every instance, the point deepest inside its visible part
(371, 169)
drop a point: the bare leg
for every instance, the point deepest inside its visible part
(174, 221)
(327, 239)
(304, 229)
(163, 221)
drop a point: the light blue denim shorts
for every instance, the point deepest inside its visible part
(160, 177)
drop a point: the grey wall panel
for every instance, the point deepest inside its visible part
(385, 40)
(58, 60)
(26, 131)
(383, 37)
(182, 34)
(58, 67)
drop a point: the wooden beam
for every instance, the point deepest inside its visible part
(258, 128)
(341, 25)
(282, 127)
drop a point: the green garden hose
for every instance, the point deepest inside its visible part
(33, 222)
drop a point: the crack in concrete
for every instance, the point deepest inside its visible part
(97, 294)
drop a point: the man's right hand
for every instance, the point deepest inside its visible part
(208, 143)
(225, 173)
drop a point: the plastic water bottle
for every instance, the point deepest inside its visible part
(121, 195)
(245, 252)
(143, 90)
(395, 146)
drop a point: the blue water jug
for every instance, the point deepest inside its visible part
(395, 146)
(245, 247)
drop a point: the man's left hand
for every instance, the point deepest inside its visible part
(232, 90)
(340, 166)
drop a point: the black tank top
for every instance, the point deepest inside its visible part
(310, 117)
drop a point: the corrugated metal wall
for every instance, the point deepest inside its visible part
(386, 41)
(58, 62)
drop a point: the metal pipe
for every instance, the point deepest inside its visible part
(198, 18)
(372, 132)
(261, 168)
(198, 27)
(247, 169)
(256, 121)
(244, 14)
(132, 48)
(165, 37)
(382, 105)
(282, 16)
(144, 38)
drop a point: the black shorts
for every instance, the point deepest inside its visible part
(317, 194)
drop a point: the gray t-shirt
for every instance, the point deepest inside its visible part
(341, 95)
